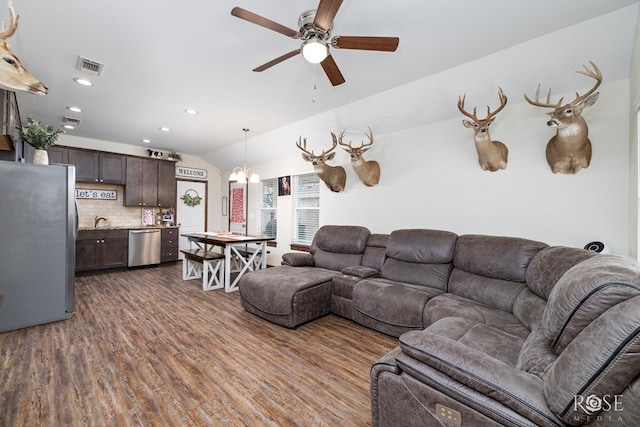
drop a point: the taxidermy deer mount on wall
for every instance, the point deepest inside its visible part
(570, 149)
(13, 75)
(492, 155)
(368, 170)
(334, 176)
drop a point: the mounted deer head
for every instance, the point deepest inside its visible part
(334, 176)
(13, 75)
(492, 155)
(368, 170)
(570, 149)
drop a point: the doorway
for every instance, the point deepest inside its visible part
(192, 219)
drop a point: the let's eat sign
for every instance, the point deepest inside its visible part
(83, 193)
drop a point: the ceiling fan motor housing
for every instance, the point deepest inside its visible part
(308, 30)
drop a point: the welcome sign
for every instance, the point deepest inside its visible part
(193, 173)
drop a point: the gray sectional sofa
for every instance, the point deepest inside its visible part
(491, 330)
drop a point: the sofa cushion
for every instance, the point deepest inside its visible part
(505, 258)
(549, 264)
(444, 346)
(419, 257)
(536, 356)
(374, 252)
(496, 293)
(421, 246)
(346, 239)
(586, 291)
(393, 303)
(272, 290)
(335, 247)
(600, 362)
(451, 305)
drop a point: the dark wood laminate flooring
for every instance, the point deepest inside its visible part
(148, 349)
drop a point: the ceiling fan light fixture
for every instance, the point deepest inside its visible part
(315, 50)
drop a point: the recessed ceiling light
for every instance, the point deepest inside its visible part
(165, 129)
(83, 82)
(191, 111)
(68, 127)
(146, 141)
(75, 109)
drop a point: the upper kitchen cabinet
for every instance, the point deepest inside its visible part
(141, 186)
(167, 184)
(150, 183)
(97, 166)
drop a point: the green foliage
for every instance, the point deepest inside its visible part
(176, 156)
(38, 135)
(189, 200)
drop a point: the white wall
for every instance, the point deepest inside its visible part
(430, 178)
(213, 173)
(634, 175)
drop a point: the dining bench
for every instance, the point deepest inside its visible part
(208, 265)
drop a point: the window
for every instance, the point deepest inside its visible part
(268, 207)
(306, 207)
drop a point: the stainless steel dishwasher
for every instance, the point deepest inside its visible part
(144, 247)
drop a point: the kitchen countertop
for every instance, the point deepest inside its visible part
(125, 227)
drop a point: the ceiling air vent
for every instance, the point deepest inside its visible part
(89, 66)
(71, 120)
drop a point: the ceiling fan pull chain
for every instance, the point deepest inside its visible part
(315, 87)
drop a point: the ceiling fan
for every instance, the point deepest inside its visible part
(315, 33)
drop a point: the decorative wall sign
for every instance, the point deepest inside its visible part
(193, 173)
(85, 193)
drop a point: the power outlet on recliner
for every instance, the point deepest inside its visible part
(448, 414)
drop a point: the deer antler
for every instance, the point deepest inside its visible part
(303, 146)
(370, 137)
(362, 144)
(503, 103)
(537, 102)
(490, 114)
(13, 23)
(595, 74)
(462, 110)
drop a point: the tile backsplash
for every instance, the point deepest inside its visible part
(114, 211)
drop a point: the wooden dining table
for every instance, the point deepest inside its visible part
(236, 252)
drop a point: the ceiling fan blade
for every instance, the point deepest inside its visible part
(326, 12)
(238, 12)
(277, 60)
(332, 71)
(385, 44)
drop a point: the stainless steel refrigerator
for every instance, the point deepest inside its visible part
(38, 228)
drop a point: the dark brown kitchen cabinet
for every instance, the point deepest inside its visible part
(167, 184)
(150, 183)
(101, 249)
(96, 166)
(141, 186)
(169, 245)
(58, 154)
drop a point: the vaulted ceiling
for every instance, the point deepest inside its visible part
(161, 58)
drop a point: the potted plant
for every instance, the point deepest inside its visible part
(40, 137)
(177, 157)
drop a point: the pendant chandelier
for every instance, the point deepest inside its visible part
(240, 174)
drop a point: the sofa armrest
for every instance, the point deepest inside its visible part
(360, 271)
(298, 259)
(520, 391)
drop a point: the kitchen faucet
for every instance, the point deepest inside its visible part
(97, 220)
